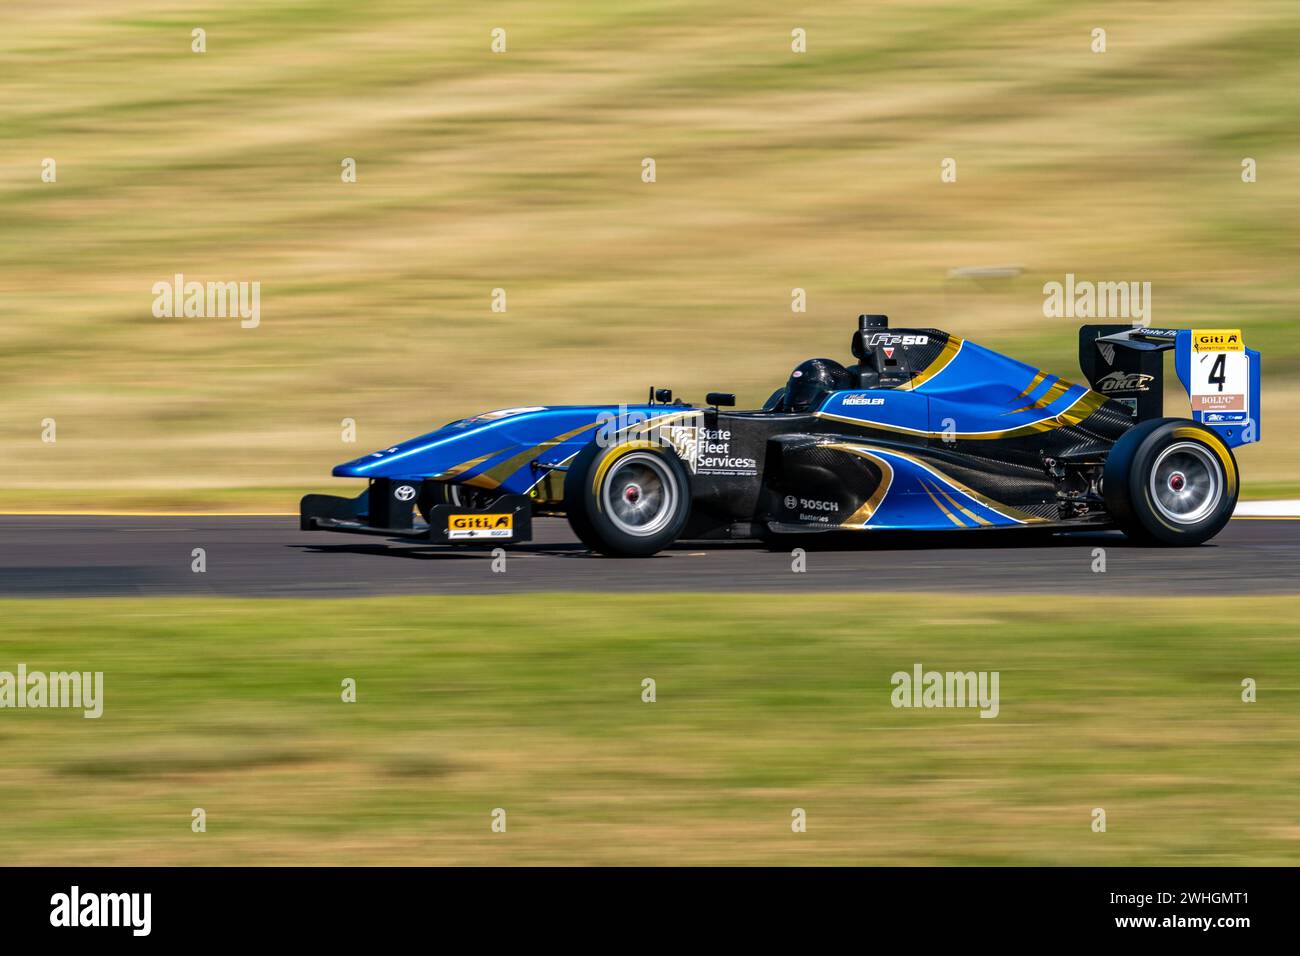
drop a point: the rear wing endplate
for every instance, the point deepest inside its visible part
(1220, 375)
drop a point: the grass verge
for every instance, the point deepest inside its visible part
(764, 704)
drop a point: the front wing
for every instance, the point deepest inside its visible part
(388, 507)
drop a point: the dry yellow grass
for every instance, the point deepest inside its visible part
(522, 171)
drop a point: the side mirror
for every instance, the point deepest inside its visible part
(724, 399)
(663, 395)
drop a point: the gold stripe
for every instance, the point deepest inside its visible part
(1015, 514)
(950, 515)
(1049, 396)
(1081, 408)
(1077, 411)
(493, 477)
(465, 466)
(941, 362)
(868, 509)
(963, 509)
(1033, 384)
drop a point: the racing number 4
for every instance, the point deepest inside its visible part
(1218, 371)
(1220, 386)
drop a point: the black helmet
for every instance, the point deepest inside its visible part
(812, 381)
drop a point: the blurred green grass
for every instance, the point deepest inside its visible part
(522, 171)
(533, 704)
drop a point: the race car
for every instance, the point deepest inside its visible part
(923, 431)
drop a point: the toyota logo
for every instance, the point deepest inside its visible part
(404, 493)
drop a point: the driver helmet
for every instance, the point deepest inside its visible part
(812, 381)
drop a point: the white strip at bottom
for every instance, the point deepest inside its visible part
(1268, 509)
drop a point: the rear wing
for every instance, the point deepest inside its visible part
(1220, 375)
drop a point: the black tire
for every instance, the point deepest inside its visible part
(629, 500)
(1170, 481)
(574, 509)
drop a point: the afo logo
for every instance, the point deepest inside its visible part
(889, 338)
(404, 493)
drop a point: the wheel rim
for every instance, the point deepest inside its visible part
(640, 494)
(1186, 483)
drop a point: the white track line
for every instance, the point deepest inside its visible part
(1268, 509)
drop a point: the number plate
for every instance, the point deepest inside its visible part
(1220, 373)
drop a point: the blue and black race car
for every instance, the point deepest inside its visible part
(924, 431)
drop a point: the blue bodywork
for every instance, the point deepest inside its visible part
(979, 394)
(498, 449)
(919, 495)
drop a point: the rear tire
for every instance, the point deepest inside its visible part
(1170, 481)
(629, 500)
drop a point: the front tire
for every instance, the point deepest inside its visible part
(629, 500)
(434, 493)
(1171, 482)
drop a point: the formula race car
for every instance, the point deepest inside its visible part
(924, 431)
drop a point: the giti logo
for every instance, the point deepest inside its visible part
(481, 526)
(1217, 340)
(481, 522)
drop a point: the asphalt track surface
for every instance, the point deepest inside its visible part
(45, 556)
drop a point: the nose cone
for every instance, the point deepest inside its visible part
(472, 444)
(507, 449)
(407, 458)
(367, 466)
